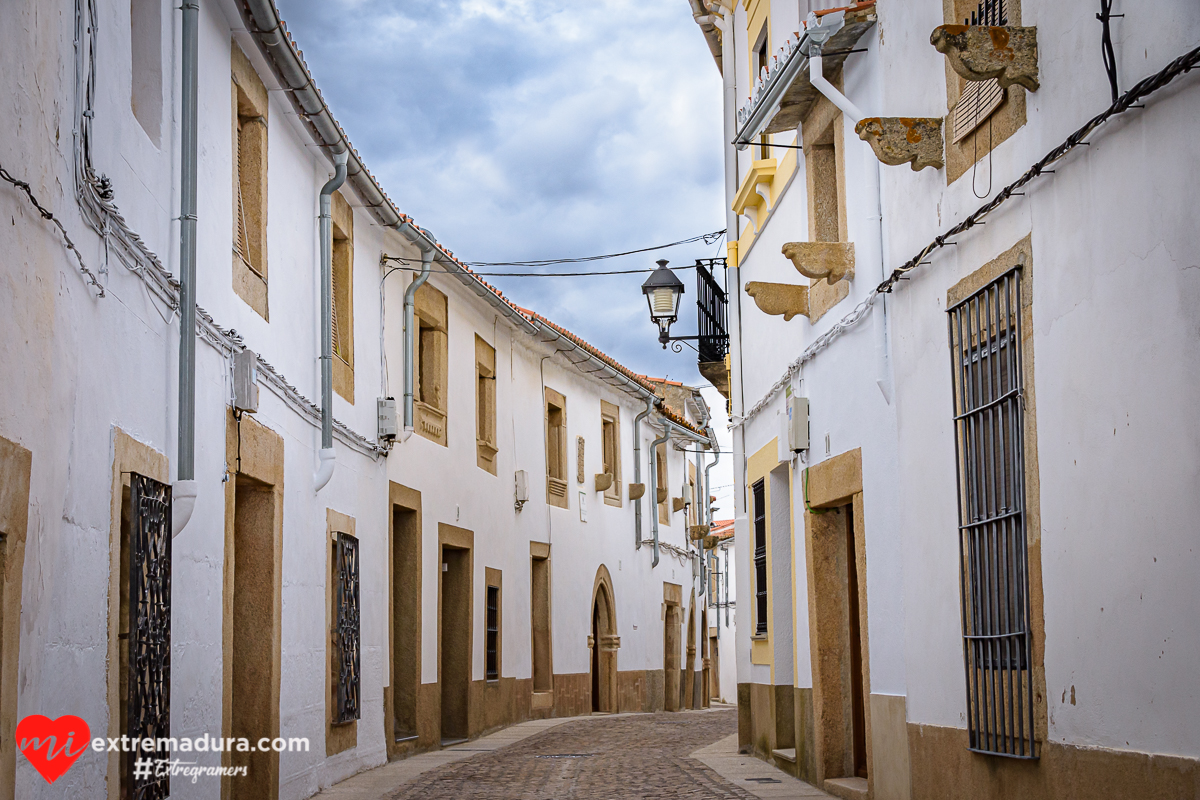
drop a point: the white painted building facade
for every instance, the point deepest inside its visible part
(1104, 254)
(90, 392)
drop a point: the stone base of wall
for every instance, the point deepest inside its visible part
(767, 721)
(943, 767)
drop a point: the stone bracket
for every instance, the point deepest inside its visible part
(779, 298)
(636, 490)
(678, 503)
(978, 52)
(904, 140)
(604, 481)
(833, 261)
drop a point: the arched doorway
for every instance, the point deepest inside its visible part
(604, 643)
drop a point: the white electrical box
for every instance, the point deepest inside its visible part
(522, 486)
(245, 381)
(797, 423)
(387, 418)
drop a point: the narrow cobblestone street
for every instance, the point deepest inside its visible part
(679, 755)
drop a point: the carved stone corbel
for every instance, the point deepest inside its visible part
(698, 532)
(710, 542)
(904, 140)
(636, 490)
(604, 481)
(979, 52)
(678, 503)
(662, 494)
(833, 261)
(779, 298)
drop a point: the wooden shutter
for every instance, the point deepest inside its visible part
(979, 99)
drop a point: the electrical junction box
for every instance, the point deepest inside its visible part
(245, 381)
(386, 408)
(522, 486)
(795, 422)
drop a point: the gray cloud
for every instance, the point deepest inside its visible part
(519, 129)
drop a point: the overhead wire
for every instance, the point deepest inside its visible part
(707, 238)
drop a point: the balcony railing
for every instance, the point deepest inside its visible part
(711, 310)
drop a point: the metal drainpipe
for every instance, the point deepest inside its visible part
(654, 486)
(817, 78)
(427, 253)
(637, 471)
(708, 513)
(328, 455)
(185, 489)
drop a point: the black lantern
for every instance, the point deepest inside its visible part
(662, 290)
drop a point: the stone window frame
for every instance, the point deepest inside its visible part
(493, 580)
(662, 481)
(486, 446)
(1001, 124)
(431, 357)
(610, 439)
(15, 469)
(823, 137)
(556, 449)
(339, 737)
(249, 128)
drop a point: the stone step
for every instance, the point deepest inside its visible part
(847, 788)
(787, 754)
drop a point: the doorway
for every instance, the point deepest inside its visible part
(689, 673)
(604, 645)
(839, 643)
(255, 686)
(671, 690)
(454, 638)
(406, 615)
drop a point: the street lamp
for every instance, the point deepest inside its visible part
(662, 290)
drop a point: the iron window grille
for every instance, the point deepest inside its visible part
(346, 628)
(149, 698)
(990, 12)
(760, 559)
(985, 347)
(493, 633)
(711, 305)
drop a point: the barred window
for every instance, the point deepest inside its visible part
(985, 347)
(760, 558)
(346, 628)
(148, 709)
(493, 633)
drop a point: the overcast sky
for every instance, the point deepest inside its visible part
(530, 129)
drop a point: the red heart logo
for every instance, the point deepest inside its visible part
(48, 743)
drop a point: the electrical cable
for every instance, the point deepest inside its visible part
(406, 268)
(707, 238)
(46, 215)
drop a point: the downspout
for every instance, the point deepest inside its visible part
(427, 253)
(637, 471)
(817, 78)
(708, 512)
(183, 492)
(327, 455)
(654, 487)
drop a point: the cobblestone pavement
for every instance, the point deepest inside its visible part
(638, 756)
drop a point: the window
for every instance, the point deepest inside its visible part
(987, 381)
(761, 62)
(824, 160)
(556, 449)
(146, 625)
(982, 115)
(485, 405)
(145, 45)
(661, 484)
(342, 297)
(249, 183)
(610, 445)
(431, 367)
(493, 633)
(539, 579)
(760, 558)
(345, 662)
